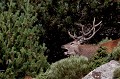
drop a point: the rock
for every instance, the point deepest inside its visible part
(105, 71)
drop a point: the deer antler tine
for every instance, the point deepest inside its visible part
(72, 36)
(79, 24)
(94, 21)
(93, 26)
(91, 35)
(75, 34)
(82, 28)
(98, 23)
(94, 29)
(85, 34)
(98, 29)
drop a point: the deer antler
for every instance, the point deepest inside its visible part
(72, 36)
(93, 29)
(84, 35)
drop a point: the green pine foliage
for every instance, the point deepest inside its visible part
(117, 73)
(74, 67)
(101, 57)
(116, 53)
(21, 53)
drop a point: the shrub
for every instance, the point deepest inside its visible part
(21, 52)
(117, 73)
(101, 57)
(116, 54)
(74, 67)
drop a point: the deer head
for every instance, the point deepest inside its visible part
(77, 46)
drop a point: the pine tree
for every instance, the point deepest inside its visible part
(21, 53)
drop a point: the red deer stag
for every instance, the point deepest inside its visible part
(77, 47)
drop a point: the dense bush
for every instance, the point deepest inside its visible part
(74, 67)
(101, 57)
(21, 53)
(116, 56)
(117, 73)
(116, 53)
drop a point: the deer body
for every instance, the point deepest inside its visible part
(87, 50)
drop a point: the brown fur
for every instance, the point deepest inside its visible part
(74, 48)
(88, 50)
(110, 45)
